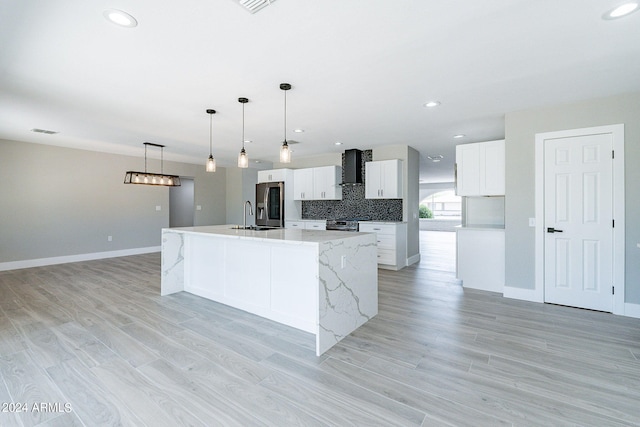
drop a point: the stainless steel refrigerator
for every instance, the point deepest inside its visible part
(270, 204)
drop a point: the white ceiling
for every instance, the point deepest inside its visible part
(361, 71)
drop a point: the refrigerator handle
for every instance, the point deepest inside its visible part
(266, 202)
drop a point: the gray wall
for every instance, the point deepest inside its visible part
(181, 204)
(61, 201)
(241, 186)
(520, 130)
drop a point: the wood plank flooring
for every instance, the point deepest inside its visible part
(97, 337)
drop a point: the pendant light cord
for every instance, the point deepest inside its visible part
(145, 158)
(243, 125)
(285, 116)
(210, 132)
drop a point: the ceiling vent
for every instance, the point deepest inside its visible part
(48, 132)
(254, 5)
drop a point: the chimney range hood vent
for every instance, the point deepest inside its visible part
(352, 167)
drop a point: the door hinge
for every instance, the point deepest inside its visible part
(613, 290)
(613, 223)
(613, 154)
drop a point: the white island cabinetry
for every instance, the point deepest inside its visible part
(322, 282)
(391, 238)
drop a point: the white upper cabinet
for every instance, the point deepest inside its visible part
(322, 183)
(326, 183)
(303, 184)
(274, 175)
(480, 169)
(383, 179)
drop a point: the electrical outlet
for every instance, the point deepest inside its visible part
(198, 208)
(109, 238)
(532, 222)
(343, 261)
(158, 208)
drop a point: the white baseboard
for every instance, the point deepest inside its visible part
(413, 259)
(40, 262)
(632, 310)
(521, 294)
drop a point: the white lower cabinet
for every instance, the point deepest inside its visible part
(481, 258)
(307, 224)
(392, 243)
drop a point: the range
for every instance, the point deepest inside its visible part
(346, 224)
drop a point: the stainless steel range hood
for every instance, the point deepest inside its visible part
(352, 167)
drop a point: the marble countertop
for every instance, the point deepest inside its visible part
(278, 234)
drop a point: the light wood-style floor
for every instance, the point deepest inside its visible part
(97, 337)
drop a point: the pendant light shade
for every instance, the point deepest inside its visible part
(243, 159)
(285, 153)
(150, 178)
(211, 161)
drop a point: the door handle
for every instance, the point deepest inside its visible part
(553, 230)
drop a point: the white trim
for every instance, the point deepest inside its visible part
(522, 294)
(632, 310)
(413, 259)
(617, 132)
(40, 262)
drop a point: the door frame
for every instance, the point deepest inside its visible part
(617, 133)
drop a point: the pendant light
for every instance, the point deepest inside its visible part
(285, 153)
(243, 159)
(211, 162)
(150, 178)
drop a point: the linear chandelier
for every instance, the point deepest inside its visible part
(150, 178)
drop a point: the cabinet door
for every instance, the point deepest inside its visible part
(373, 180)
(468, 170)
(263, 176)
(273, 175)
(315, 225)
(325, 183)
(492, 163)
(294, 224)
(383, 179)
(391, 184)
(303, 184)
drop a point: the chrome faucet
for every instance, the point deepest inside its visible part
(245, 212)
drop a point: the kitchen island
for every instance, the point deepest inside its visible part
(322, 282)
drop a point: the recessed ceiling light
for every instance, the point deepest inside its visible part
(432, 104)
(620, 11)
(120, 18)
(298, 130)
(337, 143)
(435, 158)
(460, 135)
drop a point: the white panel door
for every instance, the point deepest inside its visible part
(578, 185)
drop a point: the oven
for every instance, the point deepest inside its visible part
(345, 224)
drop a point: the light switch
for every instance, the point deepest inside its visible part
(198, 207)
(532, 222)
(109, 238)
(158, 208)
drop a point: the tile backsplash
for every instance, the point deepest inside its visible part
(353, 203)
